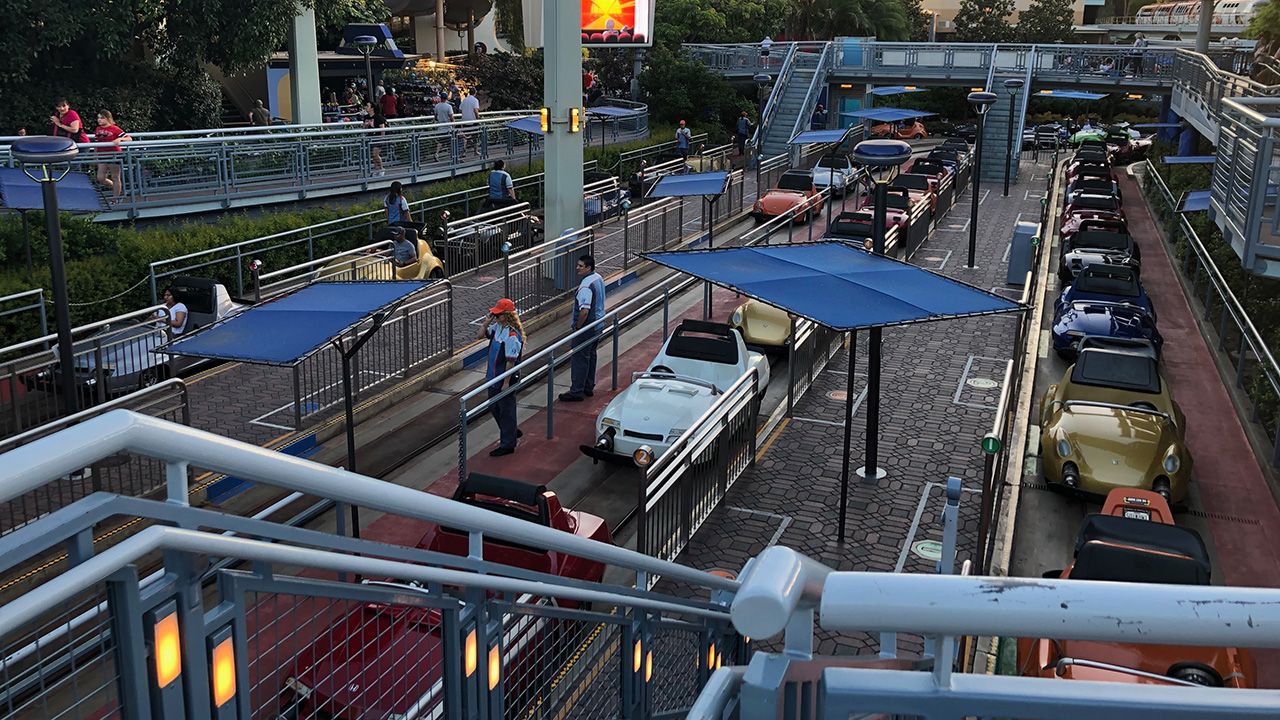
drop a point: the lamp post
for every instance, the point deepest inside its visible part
(37, 155)
(880, 158)
(982, 102)
(365, 44)
(1012, 86)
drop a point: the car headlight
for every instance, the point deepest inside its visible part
(737, 317)
(295, 685)
(758, 205)
(1172, 463)
(610, 422)
(1064, 448)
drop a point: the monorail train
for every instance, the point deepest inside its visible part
(1225, 12)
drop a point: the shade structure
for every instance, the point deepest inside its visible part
(285, 331)
(1189, 159)
(1070, 95)
(837, 285)
(1158, 126)
(529, 124)
(75, 192)
(1194, 201)
(820, 136)
(610, 110)
(708, 183)
(895, 90)
(886, 114)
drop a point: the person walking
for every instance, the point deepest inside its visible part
(744, 129)
(470, 110)
(683, 138)
(379, 91)
(388, 104)
(379, 122)
(259, 114)
(396, 205)
(506, 346)
(1139, 49)
(109, 170)
(588, 308)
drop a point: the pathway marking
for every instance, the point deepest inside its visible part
(782, 526)
(964, 381)
(915, 521)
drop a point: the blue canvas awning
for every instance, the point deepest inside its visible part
(1189, 159)
(1194, 201)
(532, 124)
(285, 331)
(1070, 95)
(75, 192)
(886, 114)
(1157, 126)
(837, 285)
(820, 136)
(895, 90)
(707, 183)
(610, 110)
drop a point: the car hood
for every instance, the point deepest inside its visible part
(781, 200)
(657, 406)
(1123, 446)
(1100, 320)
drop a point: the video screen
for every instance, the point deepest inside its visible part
(617, 22)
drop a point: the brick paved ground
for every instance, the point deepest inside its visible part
(933, 416)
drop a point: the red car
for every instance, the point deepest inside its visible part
(1134, 539)
(897, 212)
(1090, 207)
(921, 187)
(384, 661)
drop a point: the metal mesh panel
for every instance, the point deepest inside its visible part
(675, 684)
(279, 163)
(546, 274)
(314, 658)
(560, 668)
(62, 666)
(331, 158)
(653, 227)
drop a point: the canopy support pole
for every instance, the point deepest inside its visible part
(870, 471)
(848, 433)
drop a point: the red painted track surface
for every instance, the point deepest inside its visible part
(1226, 469)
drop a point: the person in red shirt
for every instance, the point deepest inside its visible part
(388, 102)
(108, 132)
(65, 122)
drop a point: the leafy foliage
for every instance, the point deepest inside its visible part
(918, 20)
(827, 19)
(677, 89)
(720, 21)
(1046, 21)
(984, 21)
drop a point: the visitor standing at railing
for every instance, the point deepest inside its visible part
(1139, 49)
(65, 122)
(744, 128)
(588, 308)
(683, 137)
(506, 347)
(765, 45)
(109, 171)
(819, 119)
(396, 205)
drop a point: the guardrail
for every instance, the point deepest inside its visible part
(785, 71)
(26, 302)
(1257, 372)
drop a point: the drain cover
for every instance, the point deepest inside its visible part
(838, 395)
(982, 383)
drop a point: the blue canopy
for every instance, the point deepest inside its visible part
(886, 114)
(895, 90)
(609, 110)
(286, 330)
(1195, 200)
(1157, 126)
(1070, 95)
(1189, 159)
(707, 183)
(837, 285)
(531, 124)
(820, 136)
(75, 192)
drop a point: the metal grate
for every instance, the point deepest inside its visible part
(675, 682)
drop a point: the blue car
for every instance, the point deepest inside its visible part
(1108, 283)
(1095, 318)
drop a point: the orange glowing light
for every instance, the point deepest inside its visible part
(495, 666)
(224, 673)
(168, 650)
(469, 659)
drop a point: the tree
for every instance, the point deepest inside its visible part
(918, 21)
(827, 19)
(984, 21)
(1047, 21)
(717, 21)
(680, 89)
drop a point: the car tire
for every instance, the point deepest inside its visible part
(918, 136)
(436, 274)
(151, 376)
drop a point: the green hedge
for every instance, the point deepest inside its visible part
(105, 261)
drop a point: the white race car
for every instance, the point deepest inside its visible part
(697, 364)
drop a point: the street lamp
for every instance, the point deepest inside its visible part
(365, 44)
(1012, 86)
(982, 102)
(39, 157)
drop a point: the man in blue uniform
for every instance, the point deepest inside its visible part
(588, 309)
(506, 346)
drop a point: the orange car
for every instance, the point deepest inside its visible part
(913, 130)
(1134, 539)
(795, 191)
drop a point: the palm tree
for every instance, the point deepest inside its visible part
(826, 19)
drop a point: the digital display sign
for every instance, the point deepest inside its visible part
(626, 23)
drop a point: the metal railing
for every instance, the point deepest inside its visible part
(1257, 372)
(19, 304)
(819, 81)
(768, 171)
(654, 226)
(196, 173)
(544, 275)
(785, 71)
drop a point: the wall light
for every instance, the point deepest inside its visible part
(224, 672)
(546, 119)
(648, 666)
(635, 662)
(575, 120)
(168, 649)
(469, 655)
(495, 666)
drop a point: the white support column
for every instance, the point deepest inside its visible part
(440, 54)
(1205, 27)
(424, 35)
(304, 68)
(562, 90)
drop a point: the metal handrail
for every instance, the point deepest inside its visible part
(775, 96)
(818, 80)
(42, 341)
(132, 398)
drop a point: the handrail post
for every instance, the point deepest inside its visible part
(99, 378)
(615, 351)
(551, 392)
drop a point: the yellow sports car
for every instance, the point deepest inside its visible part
(379, 266)
(1111, 423)
(762, 325)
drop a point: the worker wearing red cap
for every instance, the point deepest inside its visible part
(506, 347)
(683, 140)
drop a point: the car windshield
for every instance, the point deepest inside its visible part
(928, 167)
(1094, 202)
(851, 227)
(1109, 281)
(1100, 240)
(833, 161)
(1095, 183)
(915, 182)
(1117, 370)
(801, 182)
(897, 201)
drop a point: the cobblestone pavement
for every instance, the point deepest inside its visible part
(254, 403)
(940, 384)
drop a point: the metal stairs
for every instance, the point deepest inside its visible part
(791, 102)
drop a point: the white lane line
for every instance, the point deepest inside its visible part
(782, 526)
(915, 521)
(1044, 344)
(983, 199)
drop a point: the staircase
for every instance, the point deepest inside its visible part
(996, 153)
(231, 115)
(791, 100)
